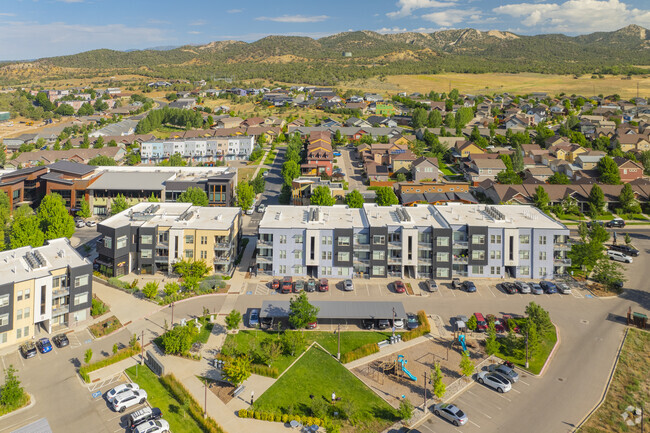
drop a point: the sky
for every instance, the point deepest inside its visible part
(33, 29)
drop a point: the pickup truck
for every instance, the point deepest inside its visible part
(287, 285)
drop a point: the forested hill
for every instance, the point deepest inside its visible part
(321, 61)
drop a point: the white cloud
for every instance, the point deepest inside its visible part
(575, 16)
(386, 30)
(198, 23)
(29, 40)
(193, 33)
(406, 7)
(450, 17)
(234, 11)
(7, 14)
(295, 19)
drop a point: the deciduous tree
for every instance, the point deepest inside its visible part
(193, 195)
(354, 199)
(322, 196)
(245, 195)
(54, 218)
(301, 312)
(385, 196)
(119, 204)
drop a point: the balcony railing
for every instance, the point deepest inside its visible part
(425, 245)
(562, 261)
(265, 243)
(395, 244)
(394, 260)
(460, 260)
(222, 260)
(562, 246)
(264, 259)
(60, 310)
(460, 244)
(362, 247)
(61, 291)
(223, 246)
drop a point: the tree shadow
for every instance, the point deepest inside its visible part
(104, 353)
(174, 409)
(75, 362)
(640, 297)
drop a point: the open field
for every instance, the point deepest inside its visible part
(497, 83)
(630, 386)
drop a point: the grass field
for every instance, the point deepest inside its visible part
(318, 374)
(630, 386)
(536, 362)
(245, 173)
(173, 410)
(498, 83)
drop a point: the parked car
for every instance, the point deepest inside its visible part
(619, 256)
(469, 286)
(128, 399)
(324, 285)
(254, 318)
(455, 283)
(536, 289)
(368, 323)
(28, 350)
(481, 323)
(298, 286)
(505, 371)
(383, 324)
(159, 426)
(548, 286)
(144, 415)
(498, 323)
(275, 284)
(616, 222)
(81, 225)
(399, 286)
(594, 223)
(522, 287)
(625, 249)
(398, 323)
(336, 153)
(61, 340)
(91, 223)
(412, 321)
(311, 285)
(266, 323)
(312, 325)
(287, 285)
(432, 286)
(250, 210)
(451, 413)
(266, 173)
(121, 389)
(507, 287)
(494, 381)
(506, 318)
(348, 286)
(44, 345)
(563, 288)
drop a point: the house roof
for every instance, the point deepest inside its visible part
(424, 159)
(133, 181)
(72, 168)
(496, 163)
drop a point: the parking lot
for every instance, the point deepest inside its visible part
(111, 420)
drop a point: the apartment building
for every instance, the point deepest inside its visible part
(43, 290)
(199, 149)
(422, 241)
(151, 237)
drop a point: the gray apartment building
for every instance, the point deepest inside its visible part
(423, 241)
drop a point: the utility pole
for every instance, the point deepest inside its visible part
(425, 392)
(527, 345)
(172, 314)
(142, 346)
(393, 322)
(205, 404)
(338, 353)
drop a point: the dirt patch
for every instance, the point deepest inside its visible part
(105, 327)
(386, 378)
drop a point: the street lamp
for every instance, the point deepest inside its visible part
(527, 327)
(393, 322)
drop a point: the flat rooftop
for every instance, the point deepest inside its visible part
(176, 215)
(131, 181)
(316, 217)
(339, 310)
(508, 216)
(405, 216)
(27, 263)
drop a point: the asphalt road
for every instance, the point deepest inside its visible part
(352, 173)
(274, 180)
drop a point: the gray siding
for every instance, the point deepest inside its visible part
(8, 289)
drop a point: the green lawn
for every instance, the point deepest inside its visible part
(179, 420)
(349, 341)
(270, 157)
(319, 374)
(536, 362)
(443, 168)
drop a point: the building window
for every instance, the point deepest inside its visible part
(477, 270)
(27, 313)
(298, 239)
(19, 296)
(344, 256)
(26, 331)
(283, 269)
(204, 254)
(108, 242)
(378, 240)
(4, 319)
(189, 254)
(19, 314)
(524, 270)
(524, 239)
(478, 239)
(344, 241)
(204, 240)
(4, 300)
(442, 257)
(59, 281)
(542, 272)
(524, 254)
(145, 254)
(19, 333)
(495, 239)
(495, 254)
(442, 241)
(80, 298)
(326, 255)
(297, 254)
(283, 254)
(121, 242)
(146, 239)
(442, 272)
(495, 270)
(3, 338)
(542, 240)
(189, 239)
(378, 270)
(326, 240)
(297, 269)
(283, 239)
(81, 280)
(478, 255)
(379, 255)
(27, 293)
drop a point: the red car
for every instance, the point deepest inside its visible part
(287, 285)
(505, 319)
(498, 323)
(399, 287)
(275, 284)
(324, 285)
(481, 324)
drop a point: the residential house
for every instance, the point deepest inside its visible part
(359, 123)
(425, 168)
(229, 122)
(477, 170)
(381, 121)
(125, 127)
(567, 151)
(253, 122)
(373, 97)
(589, 160)
(632, 142)
(377, 172)
(466, 148)
(303, 187)
(402, 162)
(541, 172)
(319, 157)
(628, 169)
(183, 103)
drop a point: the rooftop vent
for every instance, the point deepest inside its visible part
(402, 215)
(494, 213)
(34, 261)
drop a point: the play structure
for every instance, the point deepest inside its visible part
(395, 369)
(402, 362)
(461, 340)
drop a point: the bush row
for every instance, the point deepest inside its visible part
(119, 356)
(265, 370)
(421, 330)
(279, 417)
(359, 352)
(181, 394)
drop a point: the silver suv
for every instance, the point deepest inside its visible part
(522, 287)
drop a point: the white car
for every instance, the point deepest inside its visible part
(128, 399)
(261, 208)
(266, 173)
(119, 389)
(81, 225)
(563, 288)
(250, 210)
(160, 426)
(348, 286)
(495, 381)
(399, 323)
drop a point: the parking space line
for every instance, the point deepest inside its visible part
(527, 384)
(488, 287)
(474, 423)
(576, 294)
(484, 414)
(368, 289)
(518, 392)
(505, 398)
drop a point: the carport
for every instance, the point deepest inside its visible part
(339, 311)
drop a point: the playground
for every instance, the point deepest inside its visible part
(393, 376)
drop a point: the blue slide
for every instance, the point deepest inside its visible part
(402, 362)
(461, 340)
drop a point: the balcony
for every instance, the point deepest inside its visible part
(61, 291)
(222, 260)
(60, 310)
(394, 260)
(264, 259)
(460, 243)
(362, 247)
(562, 246)
(460, 260)
(264, 243)
(425, 245)
(224, 245)
(561, 261)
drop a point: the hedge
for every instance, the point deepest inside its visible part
(181, 394)
(359, 352)
(127, 352)
(259, 369)
(421, 330)
(279, 417)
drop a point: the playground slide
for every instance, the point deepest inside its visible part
(402, 362)
(461, 340)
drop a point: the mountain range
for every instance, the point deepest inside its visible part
(361, 54)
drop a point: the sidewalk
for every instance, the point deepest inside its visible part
(124, 306)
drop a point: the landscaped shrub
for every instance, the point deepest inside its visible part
(119, 356)
(421, 330)
(277, 417)
(116, 282)
(264, 370)
(360, 352)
